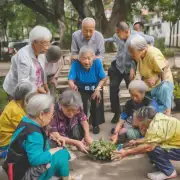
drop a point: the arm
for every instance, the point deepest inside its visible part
(87, 136)
(74, 47)
(72, 76)
(34, 149)
(100, 47)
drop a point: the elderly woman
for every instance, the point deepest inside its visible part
(29, 63)
(153, 68)
(161, 142)
(70, 122)
(127, 127)
(29, 149)
(12, 115)
(88, 77)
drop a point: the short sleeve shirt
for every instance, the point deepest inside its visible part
(152, 65)
(164, 131)
(84, 78)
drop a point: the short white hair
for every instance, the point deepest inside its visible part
(86, 49)
(139, 85)
(38, 103)
(89, 20)
(39, 33)
(138, 43)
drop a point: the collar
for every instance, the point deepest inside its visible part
(31, 52)
(92, 38)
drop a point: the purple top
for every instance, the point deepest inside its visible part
(60, 123)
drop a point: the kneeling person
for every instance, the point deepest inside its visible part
(70, 122)
(127, 126)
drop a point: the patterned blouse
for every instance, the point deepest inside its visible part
(39, 75)
(62, 124)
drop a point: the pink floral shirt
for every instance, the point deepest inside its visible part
(39, 75)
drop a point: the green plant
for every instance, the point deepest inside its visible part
(168, 52)
(102, 150)
(177, 91)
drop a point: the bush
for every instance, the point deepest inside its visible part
(177, 91)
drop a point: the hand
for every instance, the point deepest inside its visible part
(152, 81)
(114, 138)
(41, 90)
(74, 87)
(82, 147)
(96, 95)
(54, 81)
(132, 143)
(118, 155)
(60, 140)
(88, 139)
(54, 150)
(132, 74)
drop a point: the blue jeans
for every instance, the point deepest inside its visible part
(163, 94)
(161, 158)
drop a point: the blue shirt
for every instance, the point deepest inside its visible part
(88, 79)
(33, 146)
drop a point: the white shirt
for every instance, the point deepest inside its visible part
(23, 68)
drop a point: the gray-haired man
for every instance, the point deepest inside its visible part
(87, 36)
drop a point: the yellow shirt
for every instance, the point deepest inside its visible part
(164, 131)
(9, 120)
(152, 66)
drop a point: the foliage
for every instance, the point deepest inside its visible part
(177, 90)
(3, 96)
(102, 150)
(168, 52)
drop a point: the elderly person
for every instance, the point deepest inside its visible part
(12, 115)
(88, 77)
(153, 68)
(29, 63)
(30, 147)
(127, 127)
(161, 142)
(88, 36)
(122, 67)
(53, 66)
(70, 122)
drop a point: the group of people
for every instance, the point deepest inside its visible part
(34, 128)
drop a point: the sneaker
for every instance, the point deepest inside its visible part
(96, 130)
(161, 176)
(115, 119)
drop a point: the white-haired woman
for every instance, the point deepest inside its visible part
(12, 115)
(127, 127)
(29, 62)
(70, 122)
(88, 77)
(153, 68)
(29, 150)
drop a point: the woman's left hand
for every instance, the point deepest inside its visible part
(152, 81)
(96, 95)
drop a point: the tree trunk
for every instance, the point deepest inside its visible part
(177, 34)
(62, 29)
(171, 26)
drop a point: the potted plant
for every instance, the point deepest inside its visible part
(177, 95)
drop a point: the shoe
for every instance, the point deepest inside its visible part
(115, 119)
(161, 176)
(96, 130)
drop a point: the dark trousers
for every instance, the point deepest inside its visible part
(161, 158)
(115, 80)
(96, 109)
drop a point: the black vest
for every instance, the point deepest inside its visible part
(16, 153)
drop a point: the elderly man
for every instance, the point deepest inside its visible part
(138, 26)
(29, 62)
(87, 36)
(123, 66)
(161, 142)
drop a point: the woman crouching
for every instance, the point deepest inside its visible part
(70, 122)
(29, 149)
(127, 127)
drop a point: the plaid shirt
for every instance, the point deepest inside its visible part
(61, 124)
